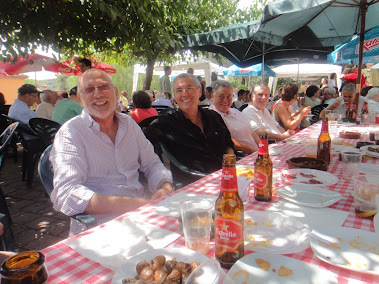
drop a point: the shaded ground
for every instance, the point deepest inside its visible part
(36, 224)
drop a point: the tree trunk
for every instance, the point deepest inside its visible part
(149, 73)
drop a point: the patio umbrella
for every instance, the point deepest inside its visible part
(330, 22)
(96, 63)
(245, 45)
(348, 52)
(255, 70)
(33, 63)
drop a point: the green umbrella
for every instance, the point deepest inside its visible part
(241, 44)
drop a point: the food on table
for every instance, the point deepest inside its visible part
(263, 172)
(331, 245)
(265, 265)
(372, 149)
(267, 224)
(358, 243)
(250, 222)
(312, 181)
(307, 162)
(364, 214)
(160, 270)
(284, 271)
(342, 143)
(307, 176)
(245, 171)
(229, 217)
(350, 135)
(289, 177)
(254, 244)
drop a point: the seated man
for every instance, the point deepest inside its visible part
(242, 98)
(46, 107)
(20, 110)
(243, 137)
(373, 100)
(347, 98)
(97, 157)
(260, 118)
(329, 94)
(66, 109)
(196, 137)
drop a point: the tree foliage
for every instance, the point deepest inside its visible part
(125, 30)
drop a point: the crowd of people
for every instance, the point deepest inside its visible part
(100, 152)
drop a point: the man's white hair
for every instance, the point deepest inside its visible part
(372, 93)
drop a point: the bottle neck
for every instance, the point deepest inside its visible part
(324, 126)
(229, 179)
(263, 147)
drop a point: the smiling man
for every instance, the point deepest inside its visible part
(196, 137)
(97, 157)
(260, 118)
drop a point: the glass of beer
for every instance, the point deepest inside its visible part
(311, 147)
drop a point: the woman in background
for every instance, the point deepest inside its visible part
(142, 107)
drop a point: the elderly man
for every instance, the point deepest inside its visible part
(68, 108)
(196, 137)
(347, 98)
(329, 95)
(97, 157)
(20, 110)
(46, 108)
(373, 100)
(260, 118)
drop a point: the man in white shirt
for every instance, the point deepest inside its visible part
(260, 118)
(163, 100)
(98, 155)
(46, 108)
(329, 94)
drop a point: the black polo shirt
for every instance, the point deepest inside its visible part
(188, 144)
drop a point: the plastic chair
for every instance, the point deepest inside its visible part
(182, 175)
(146, 122)
(46, 174)
(167, 111)
(243, 107)
(316, 110)
(6, 240)
(45, 129)
(5, 139)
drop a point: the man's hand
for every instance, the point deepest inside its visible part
(163, 191)
(287, 134)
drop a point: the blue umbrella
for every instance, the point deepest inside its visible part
(255, 70)
(348, 52)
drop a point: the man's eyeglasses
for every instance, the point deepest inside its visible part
(34, 95)
(222, 97)
(102, 88)
(187, 90)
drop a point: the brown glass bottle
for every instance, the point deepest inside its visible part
(229, 216)
(24, 268)
(354, 112)
(348, 112)
(263, 172)
(324, 142)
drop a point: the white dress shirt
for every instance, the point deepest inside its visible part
(45, 110)
(261, 119)
(343, 107)
(162, 102)
(86, 162)
(238, 126)
(21, 112)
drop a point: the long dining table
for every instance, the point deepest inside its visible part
(66, 265)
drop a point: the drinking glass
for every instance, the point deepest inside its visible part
(351, 163)
(197, 221)
(311, 147)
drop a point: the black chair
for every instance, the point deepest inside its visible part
(167, 111)
(243, 107)
(182, 175)
(7, 239)
(32, 150)
(3, 125)
(45, 129)
(146, 122)
(46, 174)
(5, 139)
(316, 110)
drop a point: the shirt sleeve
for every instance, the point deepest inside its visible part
(151, 165)
(69, 196)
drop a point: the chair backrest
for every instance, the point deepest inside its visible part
(45, 170)
(6, 136)
(243, 107)
(146, 122)
(45, 129)
(167, 111)
(316, 110)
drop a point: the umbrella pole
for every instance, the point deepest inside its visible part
(35, 78)
(263, 63)
(362, 10)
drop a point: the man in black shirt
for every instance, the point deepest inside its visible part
(196, 137)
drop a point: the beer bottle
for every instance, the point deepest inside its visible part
(24, 268)
(263, 172)
(229, 216)
(354, 112)
(324, 142)
(348, 112)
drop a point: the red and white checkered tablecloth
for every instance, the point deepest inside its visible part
(65, 265)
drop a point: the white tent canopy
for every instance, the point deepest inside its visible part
(202, 68)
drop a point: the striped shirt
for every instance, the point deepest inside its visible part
(86, 162)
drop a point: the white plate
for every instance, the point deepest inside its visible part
(292, 140)
(367, 168)
(246, 270)
(312, 196)
(128, 267)
(325, 178)
(370, 153)
(274, 233)
(351, 248)
(275, 151)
